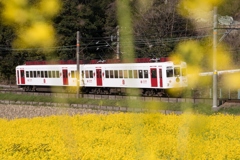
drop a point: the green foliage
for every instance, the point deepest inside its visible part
(235, 110)
(157, 29)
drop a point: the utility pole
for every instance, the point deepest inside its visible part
(78, 68)
(214, 58)
(118, 45)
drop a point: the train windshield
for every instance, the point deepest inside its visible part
(169, 73)
(177, 71)
(184, 72)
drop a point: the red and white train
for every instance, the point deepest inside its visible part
(153, 78)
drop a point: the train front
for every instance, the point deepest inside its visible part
(176, 78)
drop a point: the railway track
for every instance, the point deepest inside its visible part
(231, 103)
(111, 97)
(25, 109)
(15, 90)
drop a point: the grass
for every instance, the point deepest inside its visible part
(200, 108)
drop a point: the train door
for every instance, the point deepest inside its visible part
(160, 77)
(18, 79)
(22, 76)
(99, 77)
(153, 77)
(65, 76)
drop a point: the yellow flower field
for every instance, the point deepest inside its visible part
(137, 136)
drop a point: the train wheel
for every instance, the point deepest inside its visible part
(26, 89)
(72, 90)
(151, 93)
(174, 93)
(98, 91)
(148, 93)
(34, 89)
(106, 91)
(143, 92)
(84, 90)
(159, 94)
(30, 88)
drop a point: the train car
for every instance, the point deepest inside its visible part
(35, 77)
(154, 78)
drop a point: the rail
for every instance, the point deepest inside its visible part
(119, 97)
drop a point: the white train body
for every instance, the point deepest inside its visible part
(157, 76)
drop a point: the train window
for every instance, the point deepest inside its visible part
(53, 74)
(57, 74)
(50, 74)
(169, 72)
(184, 71)
(116, 73)
(86, 74)
(31, 74)
(91, 74)
(176, 71)
(130, 73)
(82, 74)
(140, 73)
(42, 75)
(45, 73)
(34, 74)
(111, 73)
(153, 73)
(125, 74)
(107, 73)
(120, 74)
(145, 73)
(135, 73)
(38, 74)
(27, 74)
(73, 74)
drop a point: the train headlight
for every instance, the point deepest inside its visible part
(177, 79)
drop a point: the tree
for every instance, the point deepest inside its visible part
(159, 29)
(88, 17)
(232, 8)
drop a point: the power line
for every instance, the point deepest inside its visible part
(98, 42)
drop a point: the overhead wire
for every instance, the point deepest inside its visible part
(96, 42)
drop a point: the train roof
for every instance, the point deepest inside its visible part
(108, 61)
(116, 65)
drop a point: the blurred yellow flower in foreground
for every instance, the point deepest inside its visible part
(39, 33)
(31, 22)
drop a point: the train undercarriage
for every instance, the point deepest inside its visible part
(148, 92)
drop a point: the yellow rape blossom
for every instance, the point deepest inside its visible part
(122, 136)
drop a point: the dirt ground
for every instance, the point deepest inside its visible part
(27, 111)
